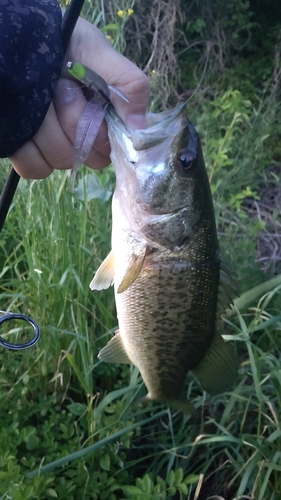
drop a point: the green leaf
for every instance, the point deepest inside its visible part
(171, 478)
(132, 491)
(172, 490)
(77, 408)
(90, 187)
(191, 479)
(51, 493)
(32, 442)
(147, 484)
(105, 462)
(160, 488)
(182, 488)
(178, 475)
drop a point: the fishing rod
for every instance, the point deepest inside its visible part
(69, 20)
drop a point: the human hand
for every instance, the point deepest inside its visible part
(53, 145)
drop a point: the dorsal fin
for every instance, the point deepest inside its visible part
(217, 371)
(227, 290)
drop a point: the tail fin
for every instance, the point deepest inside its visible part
(176, 404)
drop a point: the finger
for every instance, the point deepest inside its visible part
(114, 68)
(97, 160)
(53, 143)
(136, 89)
(69, 103)
(29, 162)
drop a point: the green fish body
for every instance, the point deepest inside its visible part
(170, 285)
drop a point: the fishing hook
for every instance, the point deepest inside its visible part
(24, 345)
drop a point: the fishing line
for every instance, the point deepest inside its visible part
(203, 73)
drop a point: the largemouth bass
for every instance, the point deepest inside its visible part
(170, 284)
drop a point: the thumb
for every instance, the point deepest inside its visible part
(86, 43)
(69, 103)
(134, 84)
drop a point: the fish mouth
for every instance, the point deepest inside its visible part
(142, 156)
(160, 126)
(142, 160)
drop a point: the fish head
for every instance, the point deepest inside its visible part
(161, 179)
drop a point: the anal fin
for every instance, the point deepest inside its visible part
(114, 351)
(217, 371)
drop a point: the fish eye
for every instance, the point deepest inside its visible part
(185, 163)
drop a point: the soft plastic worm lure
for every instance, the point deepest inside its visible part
(93, 114)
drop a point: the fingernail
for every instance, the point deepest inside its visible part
(135, 121)
(65, 91)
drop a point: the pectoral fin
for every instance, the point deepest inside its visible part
(134, 269)
(104, 275)
(217, 371)
(114, 351)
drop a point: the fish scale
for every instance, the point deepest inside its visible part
(171, 343)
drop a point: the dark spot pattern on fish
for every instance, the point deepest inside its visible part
(175, 324)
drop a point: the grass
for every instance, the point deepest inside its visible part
(65, 415)
(71, 426)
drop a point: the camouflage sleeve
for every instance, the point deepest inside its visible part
(31, 57)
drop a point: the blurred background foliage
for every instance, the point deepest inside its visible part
(63, 409)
